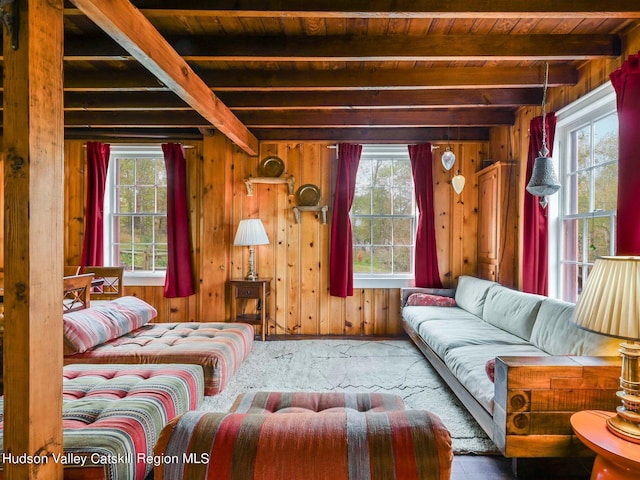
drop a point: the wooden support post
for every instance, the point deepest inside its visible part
(33, 236)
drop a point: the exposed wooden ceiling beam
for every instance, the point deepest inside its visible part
(273, 80)
(297, 118)
(355, 48)
(288, 100)
(391, 8)
(372, 135)
(378, 118)
(130, 29)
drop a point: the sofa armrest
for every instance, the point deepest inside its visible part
(536, 396)
(405, 292)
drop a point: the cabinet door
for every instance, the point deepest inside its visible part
(488, 216)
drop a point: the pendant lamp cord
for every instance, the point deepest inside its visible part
(544, 151)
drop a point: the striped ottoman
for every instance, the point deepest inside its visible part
(113, 414)
(306, 436)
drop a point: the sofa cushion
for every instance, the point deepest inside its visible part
(512, 311)
(471, 293)
(555, 333)
(84, 329)
(468, 365)
(443, 335)
(415, 316)
(429, 300)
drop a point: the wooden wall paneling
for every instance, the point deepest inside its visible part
(354, 312)
(331, 322)
(218, 157)
(75, 153)
(442, 199)
(472, 154)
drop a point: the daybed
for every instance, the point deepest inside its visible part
(306, 435)
(119, 331)
(112, 416)
(516, 361)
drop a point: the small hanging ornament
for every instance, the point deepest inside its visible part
(448, 158)
(457, 182)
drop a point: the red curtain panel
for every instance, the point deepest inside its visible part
(179, 278)
(93, 241)
(626, 82)
(426, 254)
(341, 254)
(535, 255)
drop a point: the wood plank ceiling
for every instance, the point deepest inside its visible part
(343, 70)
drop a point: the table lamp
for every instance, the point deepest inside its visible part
(250, 233)
(610, 304)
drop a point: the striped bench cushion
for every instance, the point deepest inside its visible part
(325, 402)
(219, 348)
(84, 329)
(112, 415)
(406, 444)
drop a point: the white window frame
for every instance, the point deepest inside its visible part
(598, 103)
(366, 280)
(135, 278)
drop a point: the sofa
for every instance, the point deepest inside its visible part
(306, 435)
(516, 362)
(119, 331)
(112, 416)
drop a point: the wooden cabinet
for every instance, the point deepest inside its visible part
(497, 226)
(250, 302)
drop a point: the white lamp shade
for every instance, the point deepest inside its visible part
(610, 301)
(251, 232)
(457, 182)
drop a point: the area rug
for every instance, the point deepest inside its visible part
(391, 366)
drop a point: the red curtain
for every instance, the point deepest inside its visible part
(535, 253)
(426, 254)
(179, 278)
(626, 82)
(93, 241)
(341, 255)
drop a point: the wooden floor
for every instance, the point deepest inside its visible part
(496, 467)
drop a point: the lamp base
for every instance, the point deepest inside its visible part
(252, 275)
(626, 424)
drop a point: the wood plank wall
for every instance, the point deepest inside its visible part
(297, 257)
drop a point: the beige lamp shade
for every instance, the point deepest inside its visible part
(457, 182)
(251, 232)
(610, 301)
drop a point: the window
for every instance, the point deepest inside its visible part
(383, 214)
(588, 139)
(136, 209)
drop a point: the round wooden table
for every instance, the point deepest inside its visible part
(616, 458)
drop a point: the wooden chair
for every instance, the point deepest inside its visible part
(111, 286)
(76, 292)
(71, 270)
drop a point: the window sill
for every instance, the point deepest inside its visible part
(383, 282)
(143, 279)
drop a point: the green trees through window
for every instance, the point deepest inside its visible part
(383, 212)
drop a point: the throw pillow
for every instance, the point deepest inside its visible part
(429, 300)
(490, 368)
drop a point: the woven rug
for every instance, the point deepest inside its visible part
(392, 366)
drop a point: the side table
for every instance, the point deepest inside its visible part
(616, 458)
(241, 291)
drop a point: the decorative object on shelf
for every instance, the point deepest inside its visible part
(250, 233)
(308, 195)
(610, 304)
(249, 181)
(271, 167)
(299, 208)
(544, 181)
(457, 182)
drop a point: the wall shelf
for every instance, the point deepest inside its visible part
(249, 181)
(299, 208)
